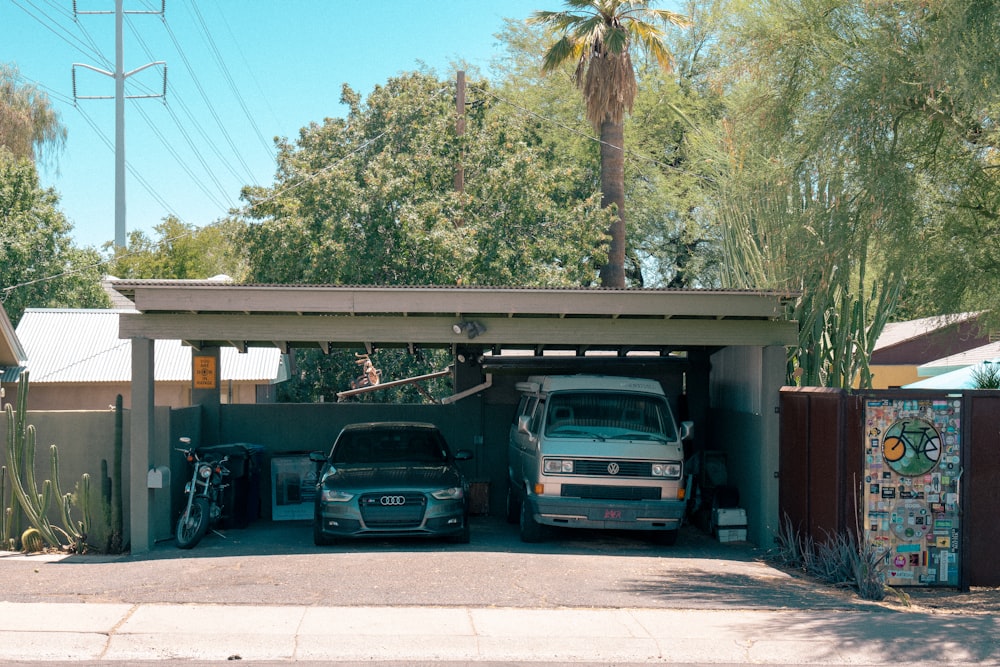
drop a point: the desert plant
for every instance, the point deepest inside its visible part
(986, 376)
(25, 495)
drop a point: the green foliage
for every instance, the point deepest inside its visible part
(370, 199)
(986, 376)
(181, 251)
(39, 265)
(29, 126)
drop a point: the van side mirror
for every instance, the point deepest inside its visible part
(687, 430)
(317, 457)
(522, 424)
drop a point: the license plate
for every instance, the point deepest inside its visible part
(608, 514)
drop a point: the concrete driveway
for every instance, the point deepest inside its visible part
(276, 563)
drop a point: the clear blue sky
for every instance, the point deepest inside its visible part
(286, 58)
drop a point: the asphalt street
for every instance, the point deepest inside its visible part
(266, 594)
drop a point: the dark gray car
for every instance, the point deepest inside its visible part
(390, 479)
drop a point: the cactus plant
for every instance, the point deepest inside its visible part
(25, 496)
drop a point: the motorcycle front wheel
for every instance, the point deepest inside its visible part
(191, 527)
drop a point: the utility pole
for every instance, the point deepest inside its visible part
(459, 131)
(119, 75)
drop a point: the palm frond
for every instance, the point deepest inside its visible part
(566, 49)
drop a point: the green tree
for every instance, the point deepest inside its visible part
(671, 243)
(28, 123)
(182, 251)
(39, 265)
(598, 37)
(856, 157)
(370, 199)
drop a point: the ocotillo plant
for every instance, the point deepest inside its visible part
(24, 488)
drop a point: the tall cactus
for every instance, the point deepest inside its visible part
(25, 494)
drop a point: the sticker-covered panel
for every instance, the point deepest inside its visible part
(912, 472)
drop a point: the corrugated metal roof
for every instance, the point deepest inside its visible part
(955, 362)
(65, 345)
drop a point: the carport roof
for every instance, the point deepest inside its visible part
(205, 313)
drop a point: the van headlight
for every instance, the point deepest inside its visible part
(669, 470)
(557, 466)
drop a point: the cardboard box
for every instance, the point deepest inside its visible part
(729, 517)
(731, 534)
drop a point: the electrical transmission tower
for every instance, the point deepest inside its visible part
(119, 75)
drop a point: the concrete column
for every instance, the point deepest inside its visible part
(773, 371)
(142, 437)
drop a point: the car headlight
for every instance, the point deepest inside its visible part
(335, 496)
(454, 493)
(556, 466)
(672, 470)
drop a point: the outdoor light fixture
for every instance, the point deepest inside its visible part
(471, 329)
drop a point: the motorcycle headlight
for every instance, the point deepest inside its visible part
(454, 493)
(205, 472)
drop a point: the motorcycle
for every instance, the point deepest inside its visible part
(204, 496)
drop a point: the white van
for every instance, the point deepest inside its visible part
(594, 451)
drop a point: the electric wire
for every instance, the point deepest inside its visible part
(208, 102)
(68, 37)
(4, 292)
(268, 149)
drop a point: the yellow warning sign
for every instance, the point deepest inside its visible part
(204, 372)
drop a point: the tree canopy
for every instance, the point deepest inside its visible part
(29, 126)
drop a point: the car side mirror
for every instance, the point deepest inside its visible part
(317, 457)
(463, 455)
(687, 430)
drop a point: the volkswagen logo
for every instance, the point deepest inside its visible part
(392, 501)
(613, 468)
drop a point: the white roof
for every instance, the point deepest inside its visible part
(958, 379)
(69, 345)
(954, 362)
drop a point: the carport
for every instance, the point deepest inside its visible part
(719, 353)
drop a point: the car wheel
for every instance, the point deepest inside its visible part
(464, 536)
(320, 538)
(531, 530)
(513, 504)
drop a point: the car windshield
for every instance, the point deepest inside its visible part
(608, 416)
(389, 446)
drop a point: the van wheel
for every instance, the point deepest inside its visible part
(531, 530)
(666, 538)
(513, 504)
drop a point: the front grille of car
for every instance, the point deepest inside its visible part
(624, 468)
(393, 510)
(597, 492)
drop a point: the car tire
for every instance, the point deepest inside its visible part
(531, 530)
(320, 538)
(513, 504)
(464, 536)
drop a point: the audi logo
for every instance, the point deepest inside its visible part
(392, 501)
(613, 468)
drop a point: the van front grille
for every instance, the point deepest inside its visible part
(597, 492)
(600, 468)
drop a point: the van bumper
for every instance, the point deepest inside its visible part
(615, 514)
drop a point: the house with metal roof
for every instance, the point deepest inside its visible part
(77, 362)
(904, 347)
(12, 354)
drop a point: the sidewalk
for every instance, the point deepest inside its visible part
(67, 632)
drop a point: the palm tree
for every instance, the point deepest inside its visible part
(598, 36)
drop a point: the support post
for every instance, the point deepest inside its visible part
(142, 436)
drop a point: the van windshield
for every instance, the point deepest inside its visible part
(609, 416)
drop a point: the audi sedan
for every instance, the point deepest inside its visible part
(390, 479)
